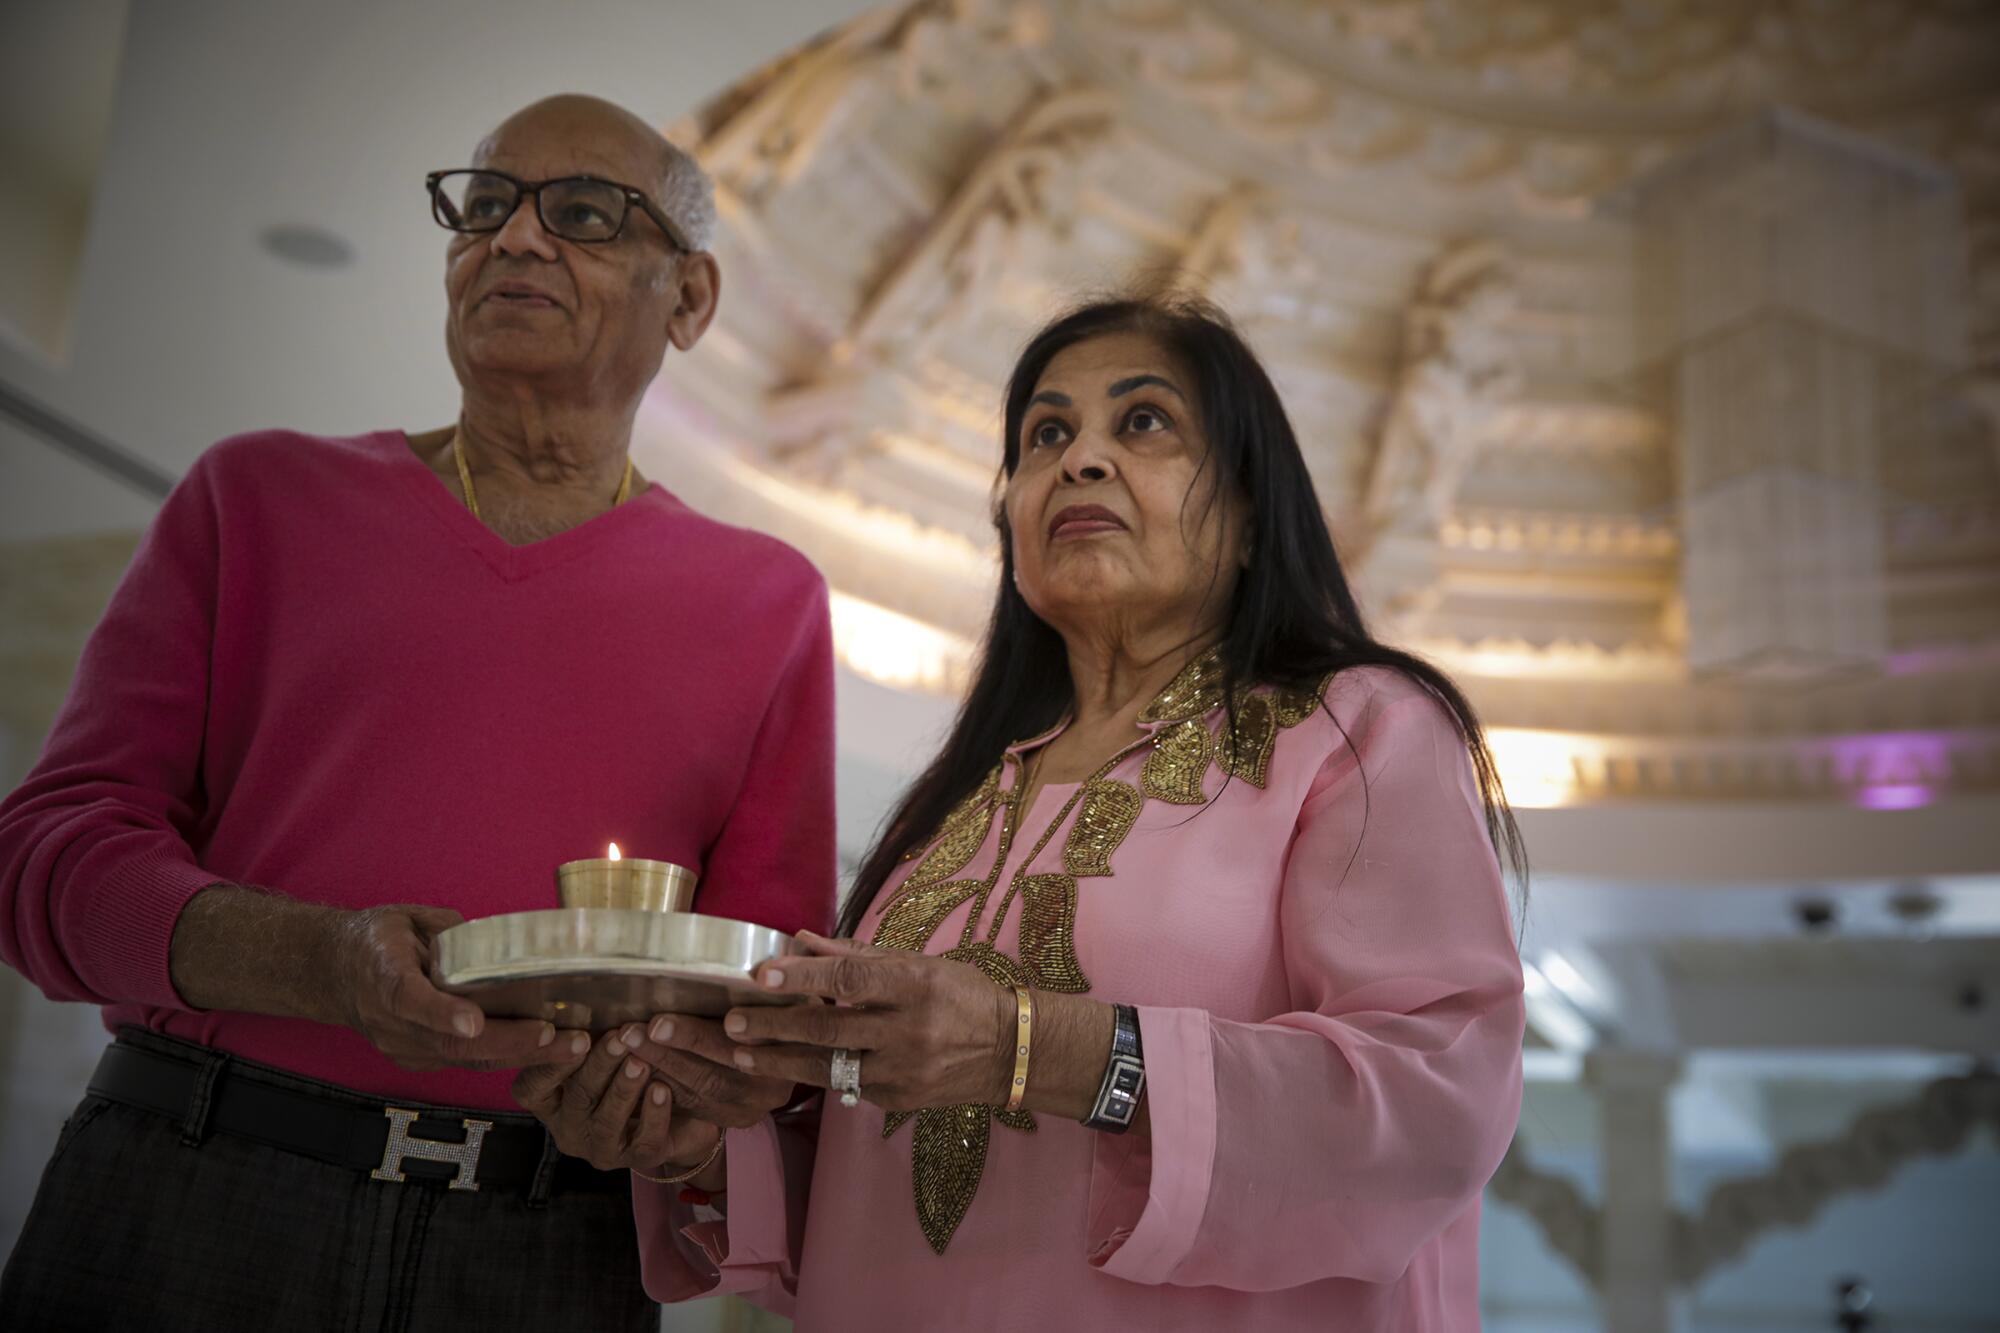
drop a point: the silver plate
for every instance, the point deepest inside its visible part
(597, 967)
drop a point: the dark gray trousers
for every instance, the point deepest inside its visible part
(134, 1228)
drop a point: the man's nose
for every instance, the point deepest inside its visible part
(523, 233)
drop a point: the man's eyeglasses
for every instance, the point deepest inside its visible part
(576, 208)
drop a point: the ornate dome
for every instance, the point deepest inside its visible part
(1639, 347)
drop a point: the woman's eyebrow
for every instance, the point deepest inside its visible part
(1052, 398)
(1120, 388)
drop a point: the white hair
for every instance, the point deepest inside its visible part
(687, 196)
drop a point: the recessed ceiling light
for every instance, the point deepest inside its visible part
(308, 247)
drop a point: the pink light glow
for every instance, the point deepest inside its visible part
(1891, 770)
(1893, 796)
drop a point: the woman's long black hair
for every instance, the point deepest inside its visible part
(1293, 620)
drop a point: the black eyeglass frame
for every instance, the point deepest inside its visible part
(523, 189)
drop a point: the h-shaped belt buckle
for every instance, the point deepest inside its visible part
(465, 1156)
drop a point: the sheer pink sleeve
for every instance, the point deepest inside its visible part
(1336, 1140)
(753, 1249)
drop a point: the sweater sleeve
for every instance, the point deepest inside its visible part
(95, 864)
(1336, 1140)
(775, 859)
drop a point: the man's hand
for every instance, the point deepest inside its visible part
(257, 952)
(382, 967)
(601, 1108)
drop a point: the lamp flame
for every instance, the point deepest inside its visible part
(614, 854)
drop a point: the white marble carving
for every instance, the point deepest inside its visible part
(1420, 215)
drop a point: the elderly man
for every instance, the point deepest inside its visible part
(354, 690)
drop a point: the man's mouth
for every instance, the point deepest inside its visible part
(521, 295)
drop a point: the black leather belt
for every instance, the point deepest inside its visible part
(468, 1150)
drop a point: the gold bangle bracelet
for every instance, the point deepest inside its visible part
(1024, 1041)
(692, 1171)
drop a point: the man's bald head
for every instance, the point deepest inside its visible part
(614, 144)
(585, 321)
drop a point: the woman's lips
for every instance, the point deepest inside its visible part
(1084, 521)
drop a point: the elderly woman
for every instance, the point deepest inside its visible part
(1190, 997)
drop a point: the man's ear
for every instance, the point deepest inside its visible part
(699, 289)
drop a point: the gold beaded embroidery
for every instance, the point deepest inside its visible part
(1110, 809)
(960, 838)
(1048, 934)
(914, 917)
(1245, 750)
(1178, 763)
(1002, 969)
(1291, 707)
(1195, 692)
(948, 1150)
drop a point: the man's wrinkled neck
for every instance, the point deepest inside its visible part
(543, 439)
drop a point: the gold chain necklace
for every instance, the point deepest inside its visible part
(472, 497)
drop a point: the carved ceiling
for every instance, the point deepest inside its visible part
(1440, 223)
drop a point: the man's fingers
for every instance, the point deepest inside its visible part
(652, 1132)
(434, 920)
(697, 1084)
(414, 999)
(611, 1121)
(585, 1087)
(509, 1043)
(539, 1088)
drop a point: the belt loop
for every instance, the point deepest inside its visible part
(545, 1173)
(194, 1128)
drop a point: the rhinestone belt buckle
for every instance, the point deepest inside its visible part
(401, 1146)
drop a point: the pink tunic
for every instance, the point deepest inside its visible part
(1330, 1001)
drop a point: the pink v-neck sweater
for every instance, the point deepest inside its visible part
(323, 676)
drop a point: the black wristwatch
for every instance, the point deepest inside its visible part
(1124, 1076)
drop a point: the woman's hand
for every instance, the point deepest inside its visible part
(929, 1031)
(601, 1107)
(696, 1061)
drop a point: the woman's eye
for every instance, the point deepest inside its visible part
(1047, 434)
(1146, 420)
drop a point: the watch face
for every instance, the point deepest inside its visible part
(1124, 1078)
(1120, 1099)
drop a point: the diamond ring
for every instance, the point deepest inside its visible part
(847, 1077)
